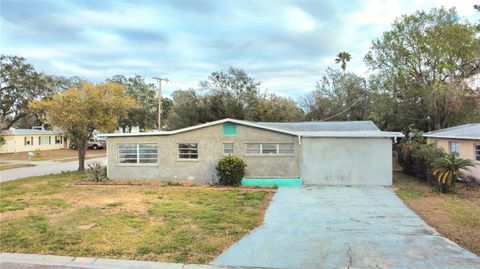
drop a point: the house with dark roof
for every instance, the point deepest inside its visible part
(23, 140)
(462, 141)
(331, 153)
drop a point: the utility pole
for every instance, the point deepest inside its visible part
(159, 116)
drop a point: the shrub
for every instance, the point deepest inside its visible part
(447, 170)
(230, 170)
(417, 158)
(96, 172)
(37, 153)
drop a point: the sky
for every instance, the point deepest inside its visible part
(285, 45)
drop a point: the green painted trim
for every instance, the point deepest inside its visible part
(273, 182)
(229, 129)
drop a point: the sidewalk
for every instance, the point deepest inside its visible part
(42, 168)
(34, 261)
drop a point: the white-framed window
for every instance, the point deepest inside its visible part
(188, 151)
(58, 140)
(477, 152)
(269, 148)
(454, 148)
(228, 148)
(43, 140)
(138, 153)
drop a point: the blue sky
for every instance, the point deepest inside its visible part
(286, 45)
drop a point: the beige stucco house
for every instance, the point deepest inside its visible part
(463, 141)
(355, 153)
(23, 140)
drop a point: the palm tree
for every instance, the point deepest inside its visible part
(343, 57)
(446, 170)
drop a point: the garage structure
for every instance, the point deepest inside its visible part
(283, 154)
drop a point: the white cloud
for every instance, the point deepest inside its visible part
(297, 20)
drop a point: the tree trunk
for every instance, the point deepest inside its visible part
(82, 150)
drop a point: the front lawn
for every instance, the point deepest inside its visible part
(455, 215)
(51, 155)
(174, 224)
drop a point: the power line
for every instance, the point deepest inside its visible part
(345, 110)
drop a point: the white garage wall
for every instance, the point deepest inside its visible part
(346, 161)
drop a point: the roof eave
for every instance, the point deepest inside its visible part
(208, 124)
(452, 137)
(378, 134)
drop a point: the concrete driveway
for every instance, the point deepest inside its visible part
(42, 168)
(344, 227)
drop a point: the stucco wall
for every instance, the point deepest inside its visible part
(210, 143)
(15, 143)
(467, 151)
(347, 161)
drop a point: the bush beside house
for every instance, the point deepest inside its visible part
(231, 170)
(417, 158)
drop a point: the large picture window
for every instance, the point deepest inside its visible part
(138, 153)
(188, 151)
(269, 148)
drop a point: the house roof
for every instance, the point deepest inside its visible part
(305, 129)
(467, 131)
(13, 131)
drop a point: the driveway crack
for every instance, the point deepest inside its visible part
(349, 255)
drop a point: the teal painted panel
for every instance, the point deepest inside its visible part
(273, 182)
(229, 129)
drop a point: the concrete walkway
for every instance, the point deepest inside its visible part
(344, 227)
(42, 168)
(33, 261)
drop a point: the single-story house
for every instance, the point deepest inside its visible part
(462, 141)
(23, 140)
(333, 153)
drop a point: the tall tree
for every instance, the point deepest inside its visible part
(343, 57)
(423, 63)
(189, 109)
(144, 114)
(81, 110)
(338, 96)
(234, 93)
(277, 109)
(20, 83)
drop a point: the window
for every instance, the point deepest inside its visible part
(188, 151)
(454, 148)
(477, 152)
(43, 140)
(58, 140)
(269, 149)
(25, 142)
(31, 140)
(49, 140)
(138, 153)
(285, 149)
(228, 148)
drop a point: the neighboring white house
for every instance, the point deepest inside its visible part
(22, 140)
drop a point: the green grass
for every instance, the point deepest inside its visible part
(44, 215)
(408, 187)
